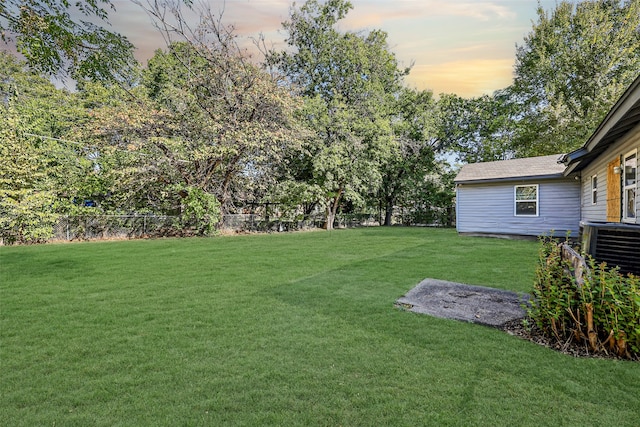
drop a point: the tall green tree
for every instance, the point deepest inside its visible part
(573, 65)
(205, 120)
(348, 81)
(26, 199)
(39, 171)
(413, 156)
(62, 38)
(479, 129)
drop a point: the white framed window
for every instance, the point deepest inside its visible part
(629, 186)
(594, 189)
(526, 200)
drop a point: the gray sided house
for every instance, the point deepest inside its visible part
(607, 167)
(518, 197)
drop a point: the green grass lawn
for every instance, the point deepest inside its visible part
(281, 329)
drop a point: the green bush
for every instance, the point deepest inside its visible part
(603, 312)
(200, 211)
(26, 216)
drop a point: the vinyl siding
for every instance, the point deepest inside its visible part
(598, 212)
(489, 208)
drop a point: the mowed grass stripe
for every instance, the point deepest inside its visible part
(282, 329)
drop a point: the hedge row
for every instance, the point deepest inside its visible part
(602, 312)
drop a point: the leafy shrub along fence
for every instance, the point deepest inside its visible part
(600, 309)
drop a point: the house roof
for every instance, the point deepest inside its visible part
(527, 168)
(623, 116)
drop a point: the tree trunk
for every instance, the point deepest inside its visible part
(389, 201)
(388, 213)
(332, 210)
(328, 225)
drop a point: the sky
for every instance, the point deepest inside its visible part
(465, 47)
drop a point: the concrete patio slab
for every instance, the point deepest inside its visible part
(476, 304)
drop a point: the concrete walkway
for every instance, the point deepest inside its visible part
(477, 304)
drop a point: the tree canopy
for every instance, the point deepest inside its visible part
(349, 81)
(574, 64)
(62, 38)
(39, 175)
(479, 129)
(325, 124)
(206, 116)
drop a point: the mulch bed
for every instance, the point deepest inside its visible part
(572, 348)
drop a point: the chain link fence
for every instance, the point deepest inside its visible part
(140, 226)
(113, 227)
(251, 222)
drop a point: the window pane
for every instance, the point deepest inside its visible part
(630, 170)
(526, 208)
(630, 205)
(526, 193)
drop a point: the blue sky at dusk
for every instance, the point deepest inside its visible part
(466, 47)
